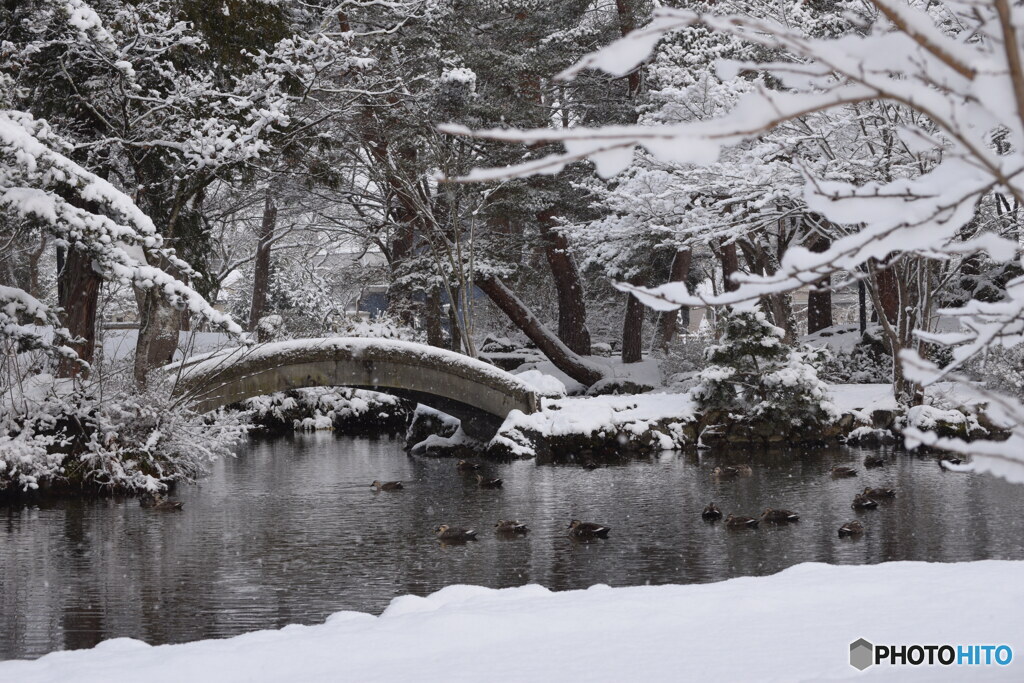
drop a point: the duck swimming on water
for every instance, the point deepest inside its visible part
(853, 528)
(454, 534)
(711, 512)
(511, 527)
(740, 522)
(779, 516)
(578, 529)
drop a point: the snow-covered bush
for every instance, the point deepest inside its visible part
(342, 409)
(865, 363)
(60, 434)
(756, 379)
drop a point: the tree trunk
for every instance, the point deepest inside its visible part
(78, 293)
(562, 356)
(669, 320)
(632, 331)
(158, 333)
(435, 331)
(888, 290)
(730, 265)
(627, 22)
(862, 306)
(819, 306)
(572, 310)
(819, 298)
(454, 322)
(261, 270)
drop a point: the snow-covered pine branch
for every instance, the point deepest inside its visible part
(39, 182)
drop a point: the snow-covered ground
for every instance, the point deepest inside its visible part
(796, 625)
(646, 373)
(868, 397)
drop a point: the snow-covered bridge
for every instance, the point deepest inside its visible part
(477, 393)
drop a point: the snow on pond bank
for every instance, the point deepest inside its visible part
(795, 625)
(660, 417)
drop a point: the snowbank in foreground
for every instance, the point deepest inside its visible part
(795, 625)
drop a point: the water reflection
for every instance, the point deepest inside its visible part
(290, 531)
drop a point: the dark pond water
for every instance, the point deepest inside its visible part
(290, 532)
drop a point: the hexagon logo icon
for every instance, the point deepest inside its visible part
(861, 654)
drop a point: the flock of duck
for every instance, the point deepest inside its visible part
(503, 527)
(865, 500)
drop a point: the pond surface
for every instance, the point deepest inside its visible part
(290, 532)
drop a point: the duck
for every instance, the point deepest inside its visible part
(711, 512)
(779, 516)
(454, 534)
(578, 529)
(862, 502)
(732, 471)
(843, 471)
(724, 473)
(487, 483)
(874, 461)
(853, 528)
(875, 494)
(148, 500)
(386, 485)
(466, 466)
(511, 526)
(734, 522)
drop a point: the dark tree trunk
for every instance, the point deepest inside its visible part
(632, 331)
(819, 298)
(572, 310)
(454, 322)
(669, 320)
(862, 305)
(627, 22)
(888, 293)
(562, 356)
(819, 306)
(730, 265)
(435, 331)
(261, 270)
(78, 293)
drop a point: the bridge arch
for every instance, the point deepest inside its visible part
(477, 393)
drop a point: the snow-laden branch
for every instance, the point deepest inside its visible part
(35, 180)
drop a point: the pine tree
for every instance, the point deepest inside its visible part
(757, 380)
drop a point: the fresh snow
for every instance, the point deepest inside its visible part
(796, 625)
(645, 373)
(661, 414)
(868, 397)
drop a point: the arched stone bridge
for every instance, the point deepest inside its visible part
(477, 393)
